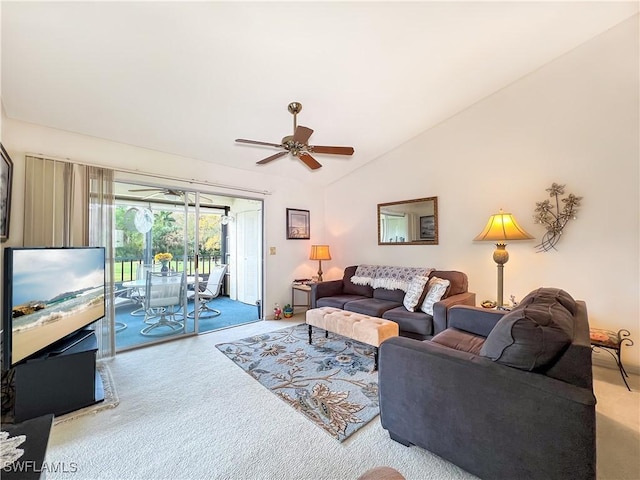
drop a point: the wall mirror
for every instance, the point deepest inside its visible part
(409, 222)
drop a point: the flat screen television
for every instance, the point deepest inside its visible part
(49, 295)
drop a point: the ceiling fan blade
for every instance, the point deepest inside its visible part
(272, 157)
(255, 142)
(311, 162)
(151, 196)
(331, 150)
(302, 134)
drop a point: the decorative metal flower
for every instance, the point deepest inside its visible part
(555, 221)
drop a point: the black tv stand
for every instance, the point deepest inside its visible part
(68, 342)
(59, 380)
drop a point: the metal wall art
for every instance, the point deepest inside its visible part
(553, 217)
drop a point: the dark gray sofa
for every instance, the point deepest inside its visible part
(387, 304)
(457, 396)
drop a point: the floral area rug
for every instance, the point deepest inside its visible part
(330, 382)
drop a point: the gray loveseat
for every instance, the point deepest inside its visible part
(502, 395)
(388, 304)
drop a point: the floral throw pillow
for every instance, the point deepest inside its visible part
(437, 287)
(415, 292)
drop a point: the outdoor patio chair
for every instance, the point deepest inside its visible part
(137, 294)
(163, 298)
(121, 298)
(211, 291)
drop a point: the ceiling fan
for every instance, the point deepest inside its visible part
(166, 192)
(297, 145)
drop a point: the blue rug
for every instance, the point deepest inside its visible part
(330, 382)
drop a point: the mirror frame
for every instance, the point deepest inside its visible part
(416, 200)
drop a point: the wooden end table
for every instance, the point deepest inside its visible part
(612, 343)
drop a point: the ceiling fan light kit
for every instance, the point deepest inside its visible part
(297, 144)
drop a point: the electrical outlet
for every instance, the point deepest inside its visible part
(272, 250)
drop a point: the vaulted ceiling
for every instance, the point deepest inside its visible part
(189, 78)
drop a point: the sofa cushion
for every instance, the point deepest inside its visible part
(574, 365)
(458, 281)
(460, 340)
(533, 335)
(418, 324)
(415, 293)
(337, 301)
(396, 296)
(350, 288)
(557, 294)
(436, 290)
(373, 307)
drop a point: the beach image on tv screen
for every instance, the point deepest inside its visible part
(55, 292)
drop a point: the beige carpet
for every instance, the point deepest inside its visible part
(187, 412)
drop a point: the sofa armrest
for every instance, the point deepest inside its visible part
(410, 355)
(440, 309)
(476, 320)
(325, 289)
(440, 398)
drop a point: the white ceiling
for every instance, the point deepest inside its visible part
(190, 77)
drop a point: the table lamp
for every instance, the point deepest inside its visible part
(500, 228)
(320, 252)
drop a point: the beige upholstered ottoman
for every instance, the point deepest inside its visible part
(363, 328)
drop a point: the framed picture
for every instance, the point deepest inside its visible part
(5, 194)
(428, 227)
(298, 225)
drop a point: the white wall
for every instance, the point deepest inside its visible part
(292, 256)
(574, 122)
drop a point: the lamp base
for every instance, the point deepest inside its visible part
(500, 256)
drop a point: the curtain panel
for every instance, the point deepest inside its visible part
(101, 226)
(71, 205)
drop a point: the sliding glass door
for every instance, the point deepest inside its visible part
(166, 235)
(154, 266)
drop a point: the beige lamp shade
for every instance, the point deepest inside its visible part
(502, 227)
(320, 252)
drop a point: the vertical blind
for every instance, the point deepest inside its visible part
(71, 205)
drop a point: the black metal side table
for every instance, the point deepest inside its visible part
(612, 343)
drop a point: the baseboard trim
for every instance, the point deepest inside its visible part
(608, 362)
